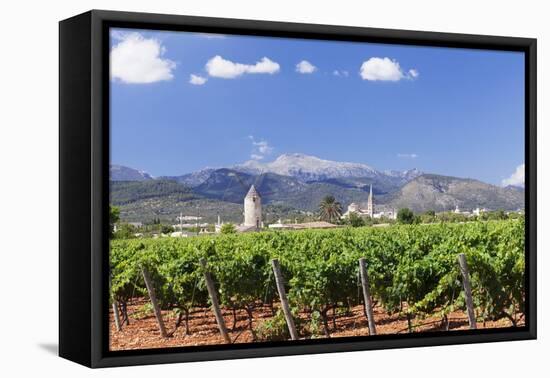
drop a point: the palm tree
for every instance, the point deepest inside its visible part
(330, 209)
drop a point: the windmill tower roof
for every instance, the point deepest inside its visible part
(252, 192)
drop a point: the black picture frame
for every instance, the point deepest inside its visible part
(84, 186)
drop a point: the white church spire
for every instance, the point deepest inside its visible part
(370, 204)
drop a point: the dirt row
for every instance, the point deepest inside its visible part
(142, 331)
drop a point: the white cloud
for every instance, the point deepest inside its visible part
(385, 69)
(138, 60)
(226, 69)
(407, 156)
(119, 35)
(263, 147)
(197, 80)
(260, 148)
(305, 67)
(212, 35)
(340, 73)
(517, 178)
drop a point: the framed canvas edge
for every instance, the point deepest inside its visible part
(75, 279)
(100, 167)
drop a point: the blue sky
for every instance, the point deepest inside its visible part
(448, 111)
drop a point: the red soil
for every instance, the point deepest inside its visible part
(143, 332)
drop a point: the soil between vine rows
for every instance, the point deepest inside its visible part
(143, 333)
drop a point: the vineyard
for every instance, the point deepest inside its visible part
(411, 276)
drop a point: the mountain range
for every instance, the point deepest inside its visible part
(436, 192)
(122, 173)
(298, 182)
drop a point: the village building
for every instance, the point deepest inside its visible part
(475, 212)
(252, 213)
(301, 226)
(183, 226)
(179, 234)
(253, 216)
(461, 212)
(370, 209)
(253, 209)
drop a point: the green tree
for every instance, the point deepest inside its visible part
(114, 217)
(405, 216)
(494, 215)
(167, 229)
(450, 217)
(330, 209)
(355, 220)
(228, 228)
(515, 215)
(500, 215)
(428, 217)
(125, 231)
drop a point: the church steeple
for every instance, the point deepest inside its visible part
(370, 203)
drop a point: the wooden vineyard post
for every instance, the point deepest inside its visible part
(115, 309)
(215, 303)
(284, 301)
(467, 290)
(366, 295)
(116, 315)
(154, 302)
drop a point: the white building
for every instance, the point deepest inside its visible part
(278, 225)
(458, 211)
(252, 209)
(475, 212)
(356, 209)
(189, 217)
(179, 234)
(370, 210)
(252, 213)
(390, 214)
(301, 226)
(183, 226)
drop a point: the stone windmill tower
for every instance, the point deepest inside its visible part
(253, 209)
